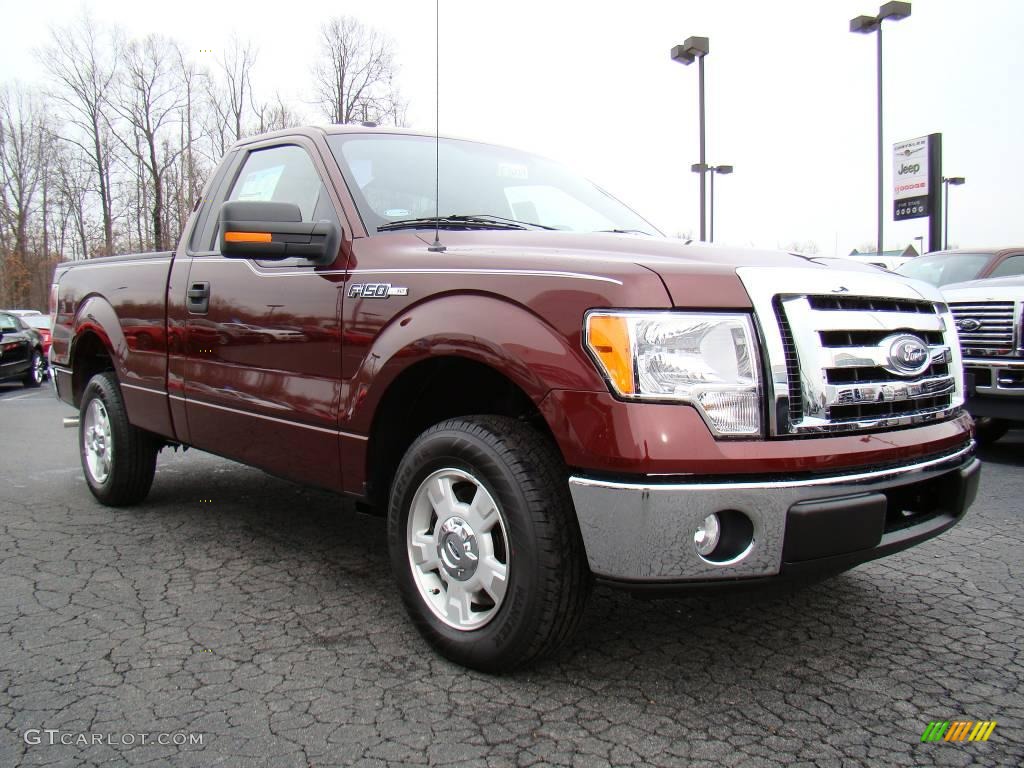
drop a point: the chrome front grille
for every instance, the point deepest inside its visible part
(853, 351)
(985, 328)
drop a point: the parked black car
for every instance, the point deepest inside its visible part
(21, 352)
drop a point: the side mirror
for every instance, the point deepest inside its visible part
(274, 231)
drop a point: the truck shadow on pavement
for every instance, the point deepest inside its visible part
(1008, 450)
(321, 571)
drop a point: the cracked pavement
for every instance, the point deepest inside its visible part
(266, 620)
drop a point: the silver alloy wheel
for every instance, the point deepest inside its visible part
(96, 441)
(458, 549)
(38, 368)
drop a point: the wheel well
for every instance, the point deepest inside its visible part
(90, 357)
(428, 393)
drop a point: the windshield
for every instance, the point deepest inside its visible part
(391, 177)
(945, 268)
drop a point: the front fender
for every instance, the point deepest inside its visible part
(498, 333)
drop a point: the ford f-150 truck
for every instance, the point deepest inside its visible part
(535, 386)
(989, 314)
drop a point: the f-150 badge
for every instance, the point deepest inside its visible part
(376, 290)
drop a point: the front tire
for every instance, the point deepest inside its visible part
(988, 429)
(36, 371)
(118, 460)
(484, 543)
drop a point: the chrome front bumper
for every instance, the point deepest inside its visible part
(643, 532)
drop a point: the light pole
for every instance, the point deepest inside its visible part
(865, 25)
(956, 181)
(712, 169)
(696, 48)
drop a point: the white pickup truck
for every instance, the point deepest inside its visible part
(988, 320)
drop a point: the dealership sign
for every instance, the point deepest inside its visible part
(910, 179)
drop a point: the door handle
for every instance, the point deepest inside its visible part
(197, 298)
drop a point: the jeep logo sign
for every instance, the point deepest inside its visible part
(910, 179)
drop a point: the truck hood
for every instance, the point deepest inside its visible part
(695, 275)
(989, 289)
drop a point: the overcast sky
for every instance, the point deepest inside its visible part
(790, 96)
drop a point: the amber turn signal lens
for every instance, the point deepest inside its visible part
(247, 237)
(608, 338)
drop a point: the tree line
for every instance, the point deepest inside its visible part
(110, 152)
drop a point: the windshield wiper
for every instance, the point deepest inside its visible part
(491, 216)
(459, 221)
(625, 231)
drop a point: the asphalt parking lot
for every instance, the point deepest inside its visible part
(261, 616)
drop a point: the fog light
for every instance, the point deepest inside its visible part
(705, 538)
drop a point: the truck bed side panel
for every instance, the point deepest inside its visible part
(122, 301)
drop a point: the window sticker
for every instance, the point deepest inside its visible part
(260, 185)
(396, 212)
(362, 171)
(513, 171)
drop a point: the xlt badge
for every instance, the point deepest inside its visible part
(375, 290)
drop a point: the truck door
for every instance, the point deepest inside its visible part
(262, 372)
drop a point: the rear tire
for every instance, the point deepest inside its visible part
(36, 371)
(118, 460)
(484, 543)
(988, 429)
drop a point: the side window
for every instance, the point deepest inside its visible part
(213, 196)
(8, 324)
(284, 175)
(1011, 265)
(281, 175)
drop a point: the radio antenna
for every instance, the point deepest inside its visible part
(436, 246)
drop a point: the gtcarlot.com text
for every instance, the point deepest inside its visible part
(51, 737)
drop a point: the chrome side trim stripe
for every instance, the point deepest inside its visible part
(286, 422)
(861, 477)
(150, 390)
(144, 263)
(503, 272)
(424, 271)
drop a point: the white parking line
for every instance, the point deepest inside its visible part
(19, 397)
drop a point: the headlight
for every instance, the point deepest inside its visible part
(708, 360)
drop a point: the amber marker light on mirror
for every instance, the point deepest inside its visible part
(608, 339)
(247, 237)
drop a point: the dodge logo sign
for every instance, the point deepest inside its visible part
(906, 355)
(968, 324)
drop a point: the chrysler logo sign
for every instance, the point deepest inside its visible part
(906, 355)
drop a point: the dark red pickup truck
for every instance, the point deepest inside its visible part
(549, 393)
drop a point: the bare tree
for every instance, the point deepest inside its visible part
(192, 176)
(150, 102)
(22, 163)
(275, 115)
(72, 179)
(229, 95)
(805, 247)
(355, 75)
(84, 77)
